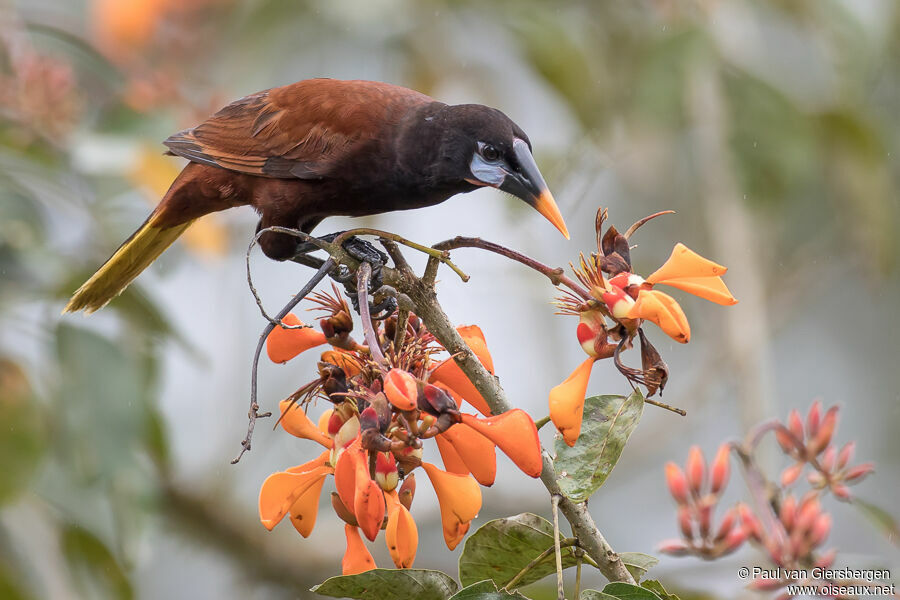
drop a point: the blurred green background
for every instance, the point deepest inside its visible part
(771, 128)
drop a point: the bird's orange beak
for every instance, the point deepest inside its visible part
(527, 183)
(546, 205)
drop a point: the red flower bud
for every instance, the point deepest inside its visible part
(401, 389)
(685, 522)
(820, 530)
(826, 430)
(695, 469)
(812, 418)
(677, 483)
(829, 458)
(859, 471)
(408, 491)
(720, 470)
(846, 455)
(785, 441)
(807, 513)
(788, 512)
(734, 540)
(727, 524)
(796, 425)
(841, 491)
(790, 474)
(704, 517)
(386, 471)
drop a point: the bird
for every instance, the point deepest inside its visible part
(326, 147)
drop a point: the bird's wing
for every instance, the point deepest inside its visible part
(296, 131)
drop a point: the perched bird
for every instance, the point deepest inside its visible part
(324, 147)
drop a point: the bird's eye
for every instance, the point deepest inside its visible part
(490, 153)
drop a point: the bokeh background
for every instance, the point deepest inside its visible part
(770, 127)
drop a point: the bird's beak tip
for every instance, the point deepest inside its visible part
(546, 205)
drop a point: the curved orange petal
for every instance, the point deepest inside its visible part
(684, 262)
(345, 475)
(459, 497)
(449, 374)
(296, 423)
(342, 359)
(401, 389)
(567, 402)
(280, 490)
(513, 432)
(319, 461)
(475, 451)
(708, 288)
(368, 506)
(357, 558)
(450, 457)
(474, 339)
(324, 418)
(284, 344)
(401, 534)
(663, 310)
(305, 509)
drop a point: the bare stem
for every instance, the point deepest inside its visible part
(363, 275)
(560, 589)
(579, 555)
(435, 253)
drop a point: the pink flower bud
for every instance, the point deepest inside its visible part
(790, 474)
(859, 471)
(820, 530)
(812, 418)
(727, 524)
(749, 522)
(841, 491)
(795, 424)
(721, 469)
(685, 522)
(846, 455)
(826, 430)
(829, 458)
(704, 518)
(695, 469)
(784, 440)
(734, 540)
(674, 548)
(677, 483)
(788, 512)
(807, 513)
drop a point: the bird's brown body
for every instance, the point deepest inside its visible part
(318, 148)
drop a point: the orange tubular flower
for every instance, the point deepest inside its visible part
(567, 402)
(341, 359)
(345, 470)
(357, 558)
(284, 344)
(475, 451)
(280, 491)
(449, 373)
(296, 423)
(453, 463)
(688, 271)
(305, 509)
(515, 434)
(459, 497)
(401, 535)
(663, 310)
(368, 501)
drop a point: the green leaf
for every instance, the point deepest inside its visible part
(503, 547)
(657, 588)
(486, 590)
(879, 517)
(595, 595)
(627, 591)
(86, 551)
(638, 563)
(608, 422)
(22, 434)
(390, 584)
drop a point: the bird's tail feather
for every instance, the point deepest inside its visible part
(132, 257)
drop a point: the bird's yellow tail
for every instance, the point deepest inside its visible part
(132, 257)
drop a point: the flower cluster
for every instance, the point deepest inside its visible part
(789, 528)
(614, 305)
(380, 413)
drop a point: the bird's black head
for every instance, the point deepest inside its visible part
(481, 146)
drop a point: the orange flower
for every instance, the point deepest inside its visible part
(475, 451)
(305, 509)
(449, 373)
(688, 271)
(284, 344)
(401, 535)
(663, 310)
(281, 490)
(345, 471)
(296, 423)
(342, 359)
(453, 463)
(567, 402)
(401, 389)
(459, 497)
(515, 434)
(357, 558)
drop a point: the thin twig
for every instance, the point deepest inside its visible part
(566, 543)
(560, 589)
(363, 275)
(253, 414)
(542, 421)
(579, 556)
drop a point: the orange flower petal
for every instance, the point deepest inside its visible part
(684, 262)
(475, 451)
(474, 339)
(280, 490)
(452, 461)
(708, 288)
(319, 461)
(459, 497)
(324, 418)
(357, 558)
(305, 509)
(567, 402)
(296, 423)
(401, 534)
(284, 344)
(341, 359)
(368, 506)
(514, 433)
(663, 310)
(449, 374)
(401, 389)
(345, 475)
